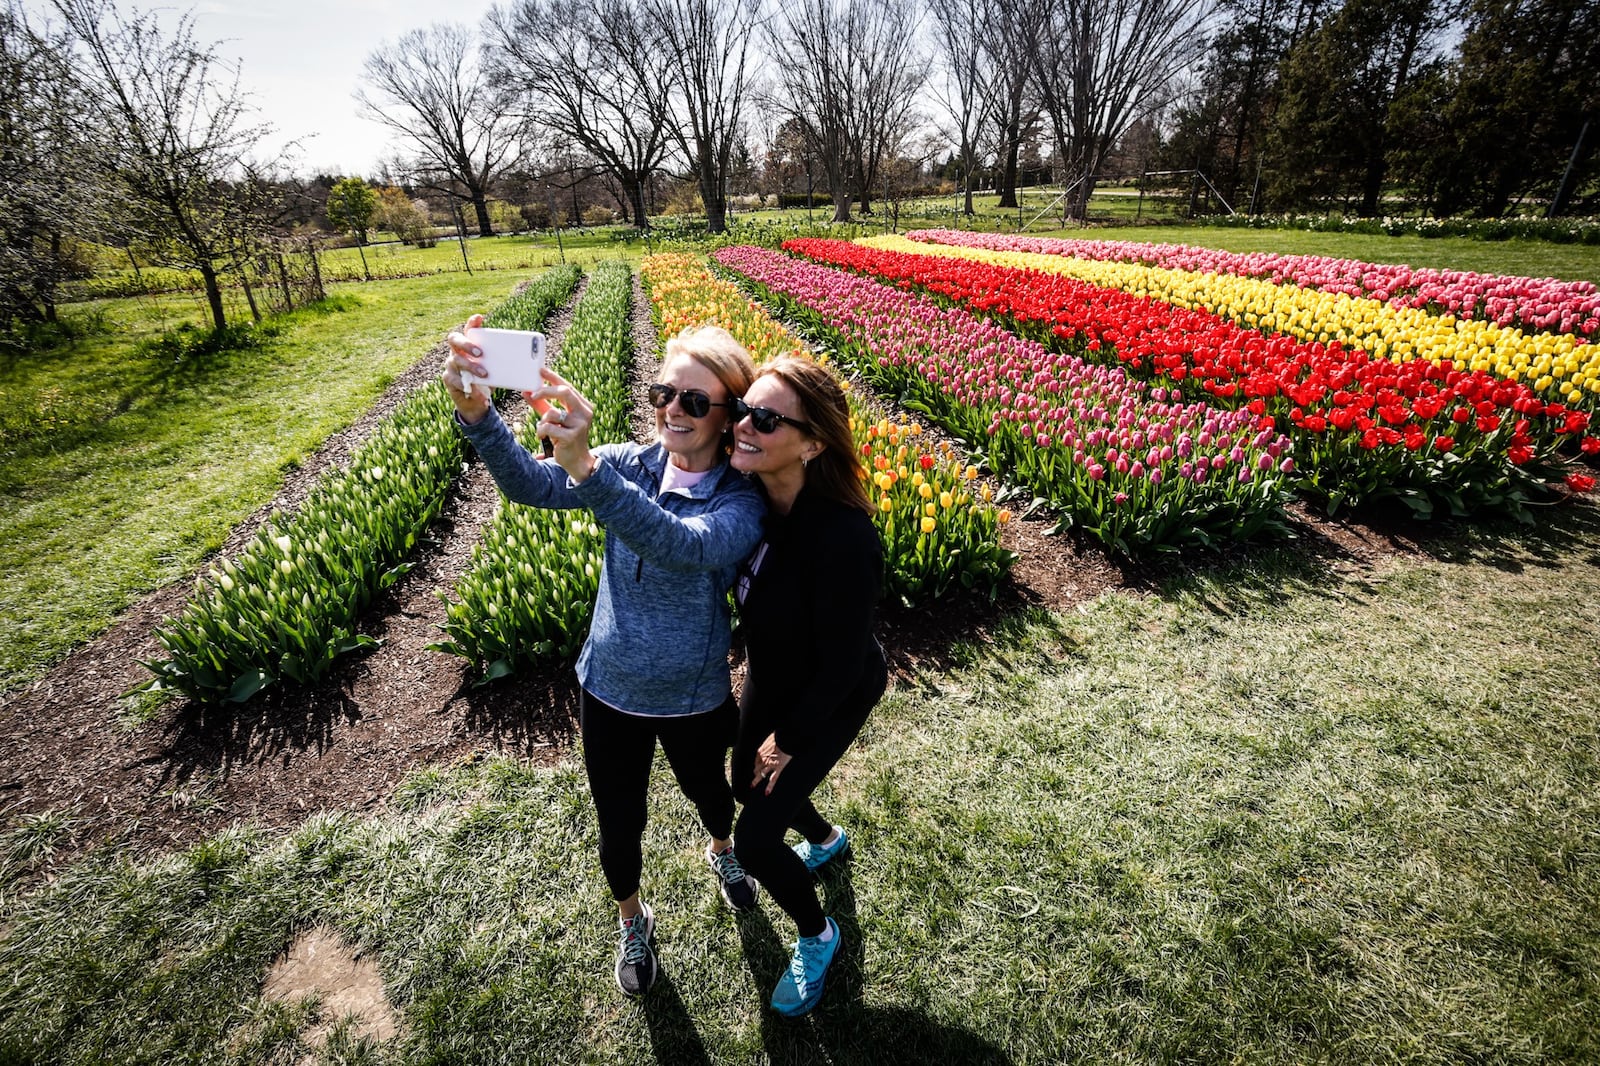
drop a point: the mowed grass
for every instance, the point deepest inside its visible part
(1287, 809)
(127, 468)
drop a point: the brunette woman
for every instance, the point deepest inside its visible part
(677, 520)
(806, 601)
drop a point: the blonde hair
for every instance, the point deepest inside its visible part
(715, 349)
(836, 471)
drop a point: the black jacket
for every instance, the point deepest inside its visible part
(806, 611)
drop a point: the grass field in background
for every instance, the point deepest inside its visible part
(1289, 809)
(121, 470)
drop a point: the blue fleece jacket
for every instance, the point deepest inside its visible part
(658, 641)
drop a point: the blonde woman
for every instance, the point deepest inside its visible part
(678, 519)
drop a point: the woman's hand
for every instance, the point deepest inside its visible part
(464, 355)
(566, 426)
(770, 761)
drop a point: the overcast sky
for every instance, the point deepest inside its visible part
(300, 61)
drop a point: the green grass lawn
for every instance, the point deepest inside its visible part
(1287, 809)
(121, 470)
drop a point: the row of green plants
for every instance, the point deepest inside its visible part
(531, 583)
(1521, 227)
(288, 605)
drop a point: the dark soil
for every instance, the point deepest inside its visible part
(66, 743)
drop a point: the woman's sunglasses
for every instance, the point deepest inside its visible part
(694, 403)
(765, 419)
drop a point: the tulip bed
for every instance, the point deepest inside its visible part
(287, 606)
(1132, 466)
(1529, 304)
(1363, 429)
(939, 529)
(1560, 368)
(530, 586)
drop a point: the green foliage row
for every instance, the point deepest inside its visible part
(288, 605)
(1554, 230)
(531, 584)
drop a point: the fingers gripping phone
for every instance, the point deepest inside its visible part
(512, 357)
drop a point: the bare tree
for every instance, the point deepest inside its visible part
(816, 86)
(170, 136)
(1101, 64)
(48, 192)
(429, 89)
(592, 73)
(1007, 42)
(709, 41)
(848, 75)
(967, 92)
(881, 43)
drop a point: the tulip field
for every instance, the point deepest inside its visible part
(1542, 305)
(1134, 793)
(1158, 397)
(1361, 427)
(1130, 465)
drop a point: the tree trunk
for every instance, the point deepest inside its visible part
(1008, 171)
(716, 204)
(283, 282)
(841, 197)
(219, 317)
(480, 204)
(641, 218)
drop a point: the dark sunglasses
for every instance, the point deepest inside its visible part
(765, 419)
(695, 403)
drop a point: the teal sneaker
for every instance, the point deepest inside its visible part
(800, 989)
(815, 855)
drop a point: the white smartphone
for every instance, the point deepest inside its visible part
(513, 358)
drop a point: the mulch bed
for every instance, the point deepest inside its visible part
(346, 743)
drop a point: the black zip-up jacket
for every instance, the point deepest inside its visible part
(806, 615)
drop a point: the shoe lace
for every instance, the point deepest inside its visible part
(729, 868)
(807, 961)
(634, 945)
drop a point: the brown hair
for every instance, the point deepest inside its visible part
(836, 471)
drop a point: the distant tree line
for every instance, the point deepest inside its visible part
(1477, 107)
(129, 133)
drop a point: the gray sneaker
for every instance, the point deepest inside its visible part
(636, 963)
(739, 889)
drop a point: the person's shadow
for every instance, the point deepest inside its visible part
(843, 1028)
(673, 1036)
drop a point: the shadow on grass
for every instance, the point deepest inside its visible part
(844, 1028)
(673, 1037)
(1333, 557)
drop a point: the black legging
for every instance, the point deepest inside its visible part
(617, 752)
(758, 835)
